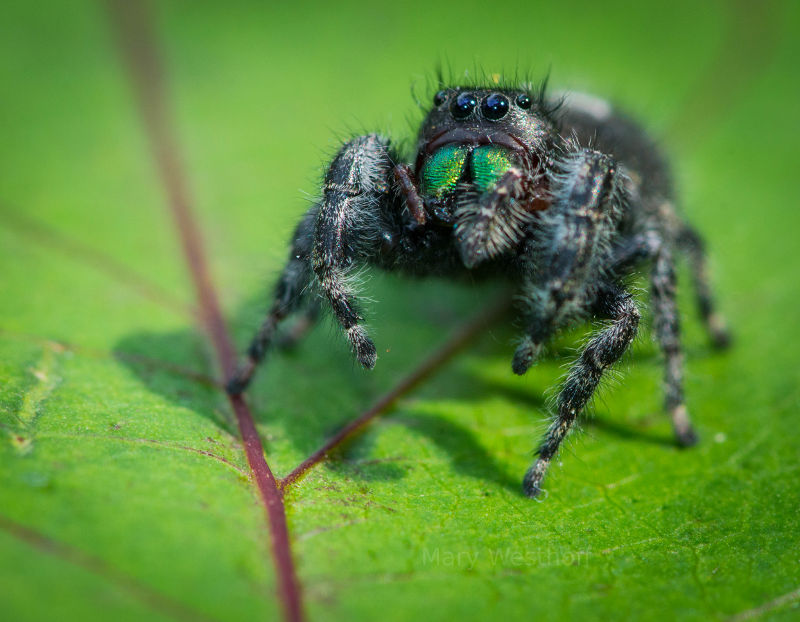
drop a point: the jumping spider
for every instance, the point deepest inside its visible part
(565, 200)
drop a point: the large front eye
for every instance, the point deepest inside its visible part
(463, 106)
(494, 107)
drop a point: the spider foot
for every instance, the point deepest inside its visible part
(684, 431)
(525, 356)
(718, 329)
(531, 483)
(363, 347)
(241, 378)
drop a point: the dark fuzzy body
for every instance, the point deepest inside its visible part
(564, 201)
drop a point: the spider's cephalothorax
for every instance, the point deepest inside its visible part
(504, 185)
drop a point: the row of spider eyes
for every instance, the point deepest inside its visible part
(493, 107)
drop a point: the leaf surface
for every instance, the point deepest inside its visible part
(124, 488)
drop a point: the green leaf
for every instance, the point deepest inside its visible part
(125, 492)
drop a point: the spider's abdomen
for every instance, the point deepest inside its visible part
(481, 166)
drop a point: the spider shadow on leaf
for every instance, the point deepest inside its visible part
(307, 394)
(178, 366)
(467, 455)
(303, 396)
(536, 402)
(292, 397)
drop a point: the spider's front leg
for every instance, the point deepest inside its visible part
(351, 227)
(568, 249)
(568, 253)
(346, 227)
(603, 350)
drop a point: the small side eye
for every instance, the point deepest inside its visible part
(440, 98)
(523, 101)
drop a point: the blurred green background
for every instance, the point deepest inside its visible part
(124, 490)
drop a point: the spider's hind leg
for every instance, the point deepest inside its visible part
(692, 244)
(667, 328)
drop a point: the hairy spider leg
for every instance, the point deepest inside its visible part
(290, 293)
(650, 246)
(601, 352)
(349, 228)
(645, 246)
(666, 324)
(408, 187)
(569, 254)
(345, 228)
(690, 242)
(568, 250)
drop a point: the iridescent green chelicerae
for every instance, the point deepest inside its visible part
(446, 167)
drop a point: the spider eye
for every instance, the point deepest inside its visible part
(463, 106)
(523, 101)
(440, 98)
(494, 107)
